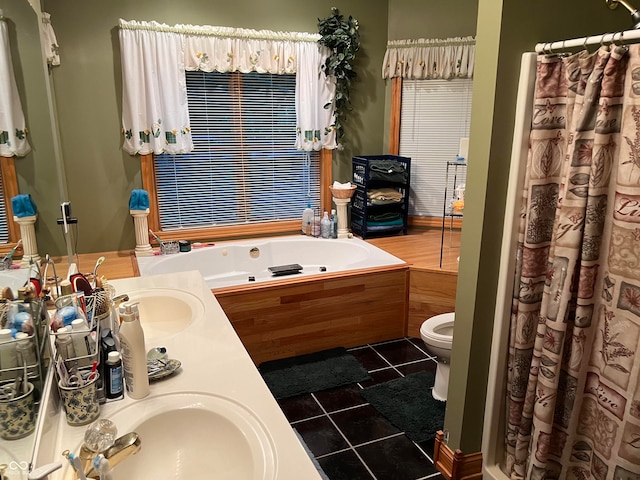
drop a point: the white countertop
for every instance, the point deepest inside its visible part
(214, 361)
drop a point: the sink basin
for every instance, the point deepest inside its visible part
(194, 435)
(165, 311)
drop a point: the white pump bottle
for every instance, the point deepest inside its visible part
(134, 357)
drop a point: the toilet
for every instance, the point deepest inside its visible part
(437, 335)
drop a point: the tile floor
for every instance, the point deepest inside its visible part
(348, 437)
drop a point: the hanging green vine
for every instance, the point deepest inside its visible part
(342, 38)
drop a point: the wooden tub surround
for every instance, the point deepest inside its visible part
(300, 316)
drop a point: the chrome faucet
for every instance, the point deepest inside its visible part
(123, 447)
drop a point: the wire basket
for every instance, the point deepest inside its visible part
(343, 192)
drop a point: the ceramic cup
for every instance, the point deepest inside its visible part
(80, 403)
(18, 415)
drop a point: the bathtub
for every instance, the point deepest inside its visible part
(247, 262)
(348, 293)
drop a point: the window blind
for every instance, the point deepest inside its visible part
(244, 168)
(435, 115)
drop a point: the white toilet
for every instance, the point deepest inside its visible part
(437, 335)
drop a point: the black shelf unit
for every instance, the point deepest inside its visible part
(365, 180)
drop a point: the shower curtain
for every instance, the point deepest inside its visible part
(573, 392)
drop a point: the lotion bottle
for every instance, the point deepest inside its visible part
(134, 357)
(307, 219)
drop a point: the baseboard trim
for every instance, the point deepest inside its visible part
(454, 465)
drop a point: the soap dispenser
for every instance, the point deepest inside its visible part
(134, 357)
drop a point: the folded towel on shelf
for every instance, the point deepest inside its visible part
(384, 216)
(139, 200)
(390, 170)
(378, 201)
(382, 228)
(23, 206)
(385, 194)
(386, 223)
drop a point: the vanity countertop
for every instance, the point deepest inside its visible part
(214, 361)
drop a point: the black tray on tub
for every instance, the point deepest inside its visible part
(280, 270)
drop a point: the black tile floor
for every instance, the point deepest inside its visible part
(349, 438)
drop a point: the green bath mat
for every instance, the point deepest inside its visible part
(407, 403)
(312, 372)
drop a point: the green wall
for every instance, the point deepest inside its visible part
(88, 93)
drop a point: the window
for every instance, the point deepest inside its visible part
(9, 230)
(244, 168)
(435, 115)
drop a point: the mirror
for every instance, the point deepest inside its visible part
(37, 175)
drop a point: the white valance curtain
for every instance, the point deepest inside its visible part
(425, 59)
(155, 57)
(13, 132)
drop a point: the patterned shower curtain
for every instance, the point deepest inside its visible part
(573, 389)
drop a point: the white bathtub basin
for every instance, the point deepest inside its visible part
(194, 435)
(165, 312)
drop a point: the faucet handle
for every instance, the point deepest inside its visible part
(43, 472)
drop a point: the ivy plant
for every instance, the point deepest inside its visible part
(340, 35)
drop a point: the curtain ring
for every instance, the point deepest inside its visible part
(613, 39)
(602, 38)
(584, 44)
(550, 49)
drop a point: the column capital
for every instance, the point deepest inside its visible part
(139, 213)
(25, 220)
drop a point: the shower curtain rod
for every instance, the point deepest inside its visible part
(628, 36)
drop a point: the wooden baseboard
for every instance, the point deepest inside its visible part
(454, 465)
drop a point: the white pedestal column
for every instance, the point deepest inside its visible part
(28, 235)
(143, 247)
(341, 207)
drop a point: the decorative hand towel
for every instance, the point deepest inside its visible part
(139, 200)
(23, 206)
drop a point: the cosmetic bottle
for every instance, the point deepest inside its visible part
(307, 219)
(64, 344)
(81, 341)
(325, 226)
(114, 375)
(25, 349)
(134, 357)
(8, 357)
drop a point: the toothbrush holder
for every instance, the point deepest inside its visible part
(18, 415)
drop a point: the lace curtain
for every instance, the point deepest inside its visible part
(13, 132)
(425, 59)
(155, 109)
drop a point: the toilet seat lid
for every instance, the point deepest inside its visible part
(430, 327)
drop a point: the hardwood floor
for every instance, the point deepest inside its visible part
(421, 248)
